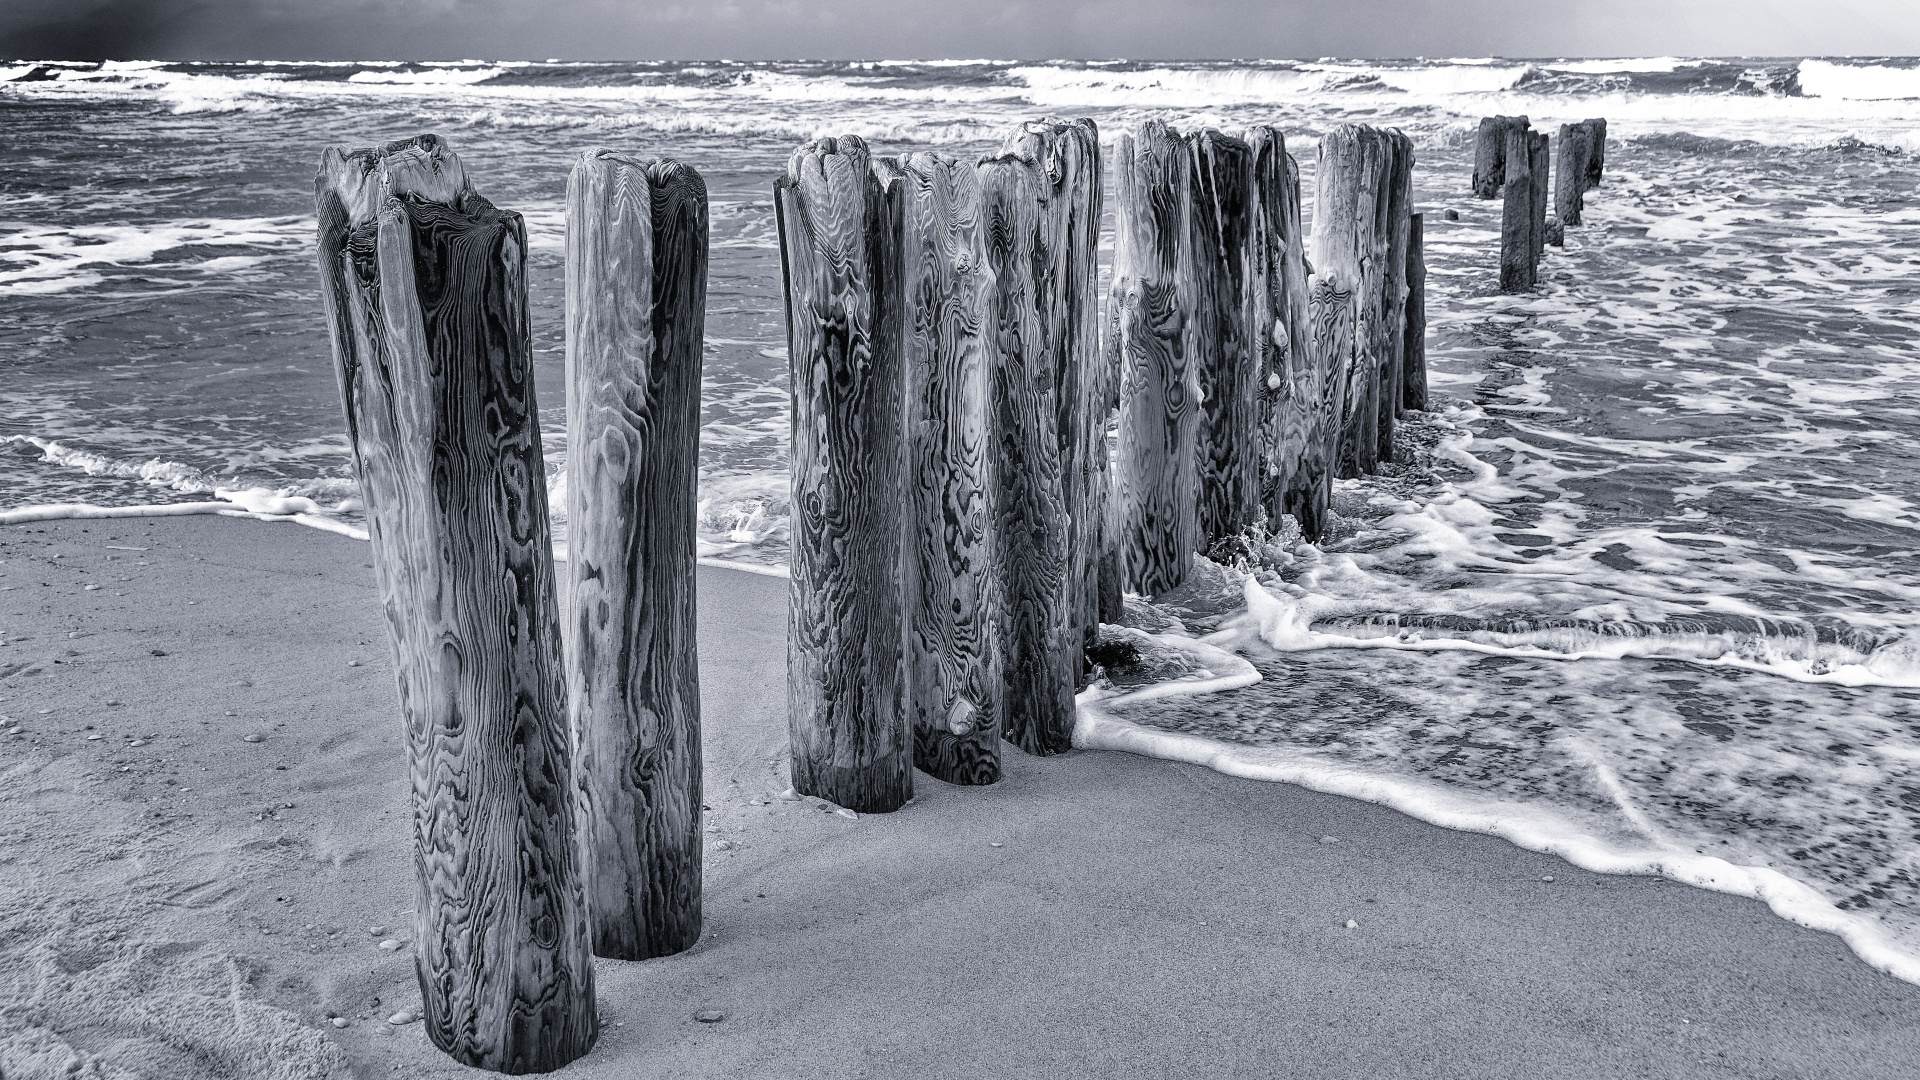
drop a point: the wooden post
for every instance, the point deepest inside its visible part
(636, 313)
(1596, 150)
(1398, 202)
(1490, 145)
(1351, 242)
(1570, 173)
(1068, 153)
(953, 667)
(1151, 306)
(1517, 263)
(1291, 385)
(425, 291)
(1041, 648)
(1539, 168)
(1227, 450)
(846, 708)
(1414, 392)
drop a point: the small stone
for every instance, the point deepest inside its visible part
(95, 737)
(136, 743)
(1351, 925)
(93, 588)
(1453, 215)
(253, 738)
(113, 701)
(384, 1029)
(845, 813)
(403, 1018)
(340, 1021)
(709, 1016)
(389, 945)
(1548, 878)
(1329, 839)
(723, 845)
(993, 843)
(353, 663)
(789, 795)
(377, 931)
(71, 634)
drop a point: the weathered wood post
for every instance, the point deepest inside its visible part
(1227, 447)
(1414, 388)
(1398, 202)
(1490, 145)
(1151, 309)
(1068, 153)
(1293, 479)
(1596, 150)
(1352, 237)
(426, 298)
(1539, 165)
(1041, 646)
(1517, 263)
(954, 686)
(846, 668)
(1570, 173)
(636, 314)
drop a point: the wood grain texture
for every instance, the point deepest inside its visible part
(1068, 154)
(1151, 306)
(636, 311)
(1490, 144)
(954, 685)
(1414, 385)
(846, 671)
(425, 290)
(1295, 479)
(1227, 444)
(1040, 646)
(1517, 264)
(1351, 239)
(1393, 290)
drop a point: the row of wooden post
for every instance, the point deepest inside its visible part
(955, 547)
(1510, 160)
(556, 793)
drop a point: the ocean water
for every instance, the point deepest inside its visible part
(1646, 576)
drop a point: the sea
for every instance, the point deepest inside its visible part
(1644, 589)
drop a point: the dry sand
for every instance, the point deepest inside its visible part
(164, 911)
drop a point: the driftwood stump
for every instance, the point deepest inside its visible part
(954, 691)
(425, 291)
(1151, 308)
(1393, 292)
(846, 708)
(1414, 385)
(1539, 163)
(1041, 647)
(1570, 173)
(1596, 150)
(1352, 237)
(1518, 265)
(636, 312)
(1490, 146)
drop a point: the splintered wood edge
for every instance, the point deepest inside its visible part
(364, 180)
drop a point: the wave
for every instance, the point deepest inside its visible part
(1858, 82)
(37, 259)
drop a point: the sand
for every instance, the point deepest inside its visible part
(165, 913)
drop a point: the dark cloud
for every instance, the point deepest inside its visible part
(831, 29)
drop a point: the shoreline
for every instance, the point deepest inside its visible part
(1527, 827)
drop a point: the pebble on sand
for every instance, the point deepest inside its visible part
(95, 737)
(709, 1016)
(1351, 925)
(403, 1018)
(1329, 839)
(253, 738)
(1548, 878)
(389, 945)
(846, 813)
(340, 1021)
(377, 931)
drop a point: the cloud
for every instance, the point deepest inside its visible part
(835, 29)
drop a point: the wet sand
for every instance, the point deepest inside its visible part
(165, 913)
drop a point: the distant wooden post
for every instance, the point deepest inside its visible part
(1294, 480)
(1539, 165)
(636, 313)
(1041, 647)
(425, 291)
(1414, 388)
(1068, 153)
(1151, 306)
(1393, 292)
(1490, 145)
(1228, 444)
(1351, 241)
(954, 686)
(846, 709)
(1596, 150)
(1517, 262)
(1570, 173)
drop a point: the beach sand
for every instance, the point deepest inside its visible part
(198, 904)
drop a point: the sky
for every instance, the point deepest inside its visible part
(946, 29)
